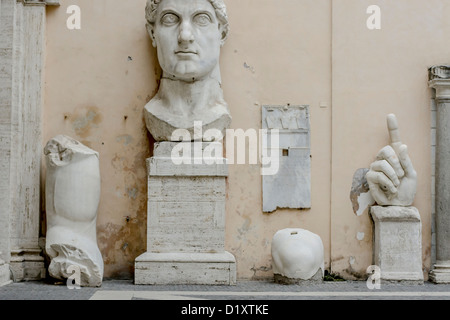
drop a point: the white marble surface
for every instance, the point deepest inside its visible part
(392, 178)
(72, 199)
(297, 254)
(188, 41)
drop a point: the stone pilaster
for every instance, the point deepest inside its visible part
(22, 44)
(439, 79)
(5, 277)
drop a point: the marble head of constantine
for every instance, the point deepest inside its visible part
(187, 35)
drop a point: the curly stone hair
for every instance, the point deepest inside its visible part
(218, 5)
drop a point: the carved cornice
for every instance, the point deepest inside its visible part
(40, 2)
(439, 79)
(439, 72)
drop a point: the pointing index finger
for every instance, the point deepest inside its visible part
(394, 132)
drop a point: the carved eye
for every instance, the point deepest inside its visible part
(169, 19)
(202, 19)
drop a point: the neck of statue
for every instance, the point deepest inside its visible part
(190, 98)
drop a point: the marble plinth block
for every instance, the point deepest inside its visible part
(440, 272)
(186, 220)
(398, 243)
(5, 277)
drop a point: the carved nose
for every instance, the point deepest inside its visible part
(185, 34)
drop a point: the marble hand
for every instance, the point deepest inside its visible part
(392, 179)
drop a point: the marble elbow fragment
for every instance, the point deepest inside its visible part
(72, 199)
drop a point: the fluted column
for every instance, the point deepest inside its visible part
(22, 44)
(439, 79)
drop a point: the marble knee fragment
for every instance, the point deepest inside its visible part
(297, 255)
(72, 199)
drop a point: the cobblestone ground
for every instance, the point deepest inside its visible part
(244, 290)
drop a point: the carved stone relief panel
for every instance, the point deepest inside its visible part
(290, 187)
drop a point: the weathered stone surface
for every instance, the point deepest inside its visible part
(27, 264)
(186, 222)
(186, 268)
(297, 255)
(197, 161)
(398, 243)
(290, 186)
(72, 199)
(161, 124)
(4, 273)
(317, 278)
(440, 81)
(440, 272)
(22, 44)
(360, 195)
(8, 158)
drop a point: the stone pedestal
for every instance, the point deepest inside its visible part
(440, 81)
(27, 264)
(4, 274)
(186, 218)
(398, 243)
(440, 272)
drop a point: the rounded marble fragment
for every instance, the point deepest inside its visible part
(298, 255)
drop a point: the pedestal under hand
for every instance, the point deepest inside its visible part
(398, 243)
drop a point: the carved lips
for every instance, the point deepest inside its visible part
(186, 54)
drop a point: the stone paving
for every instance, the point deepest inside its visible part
(244, 290)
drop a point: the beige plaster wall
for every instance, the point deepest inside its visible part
(316, 52)
(287, 48)
(375, 73)
(98, 79)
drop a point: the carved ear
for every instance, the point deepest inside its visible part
(151, 32)
(223, 33)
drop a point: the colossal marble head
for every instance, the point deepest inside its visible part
(188, 35)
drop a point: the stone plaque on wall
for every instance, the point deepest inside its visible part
(290, 187)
